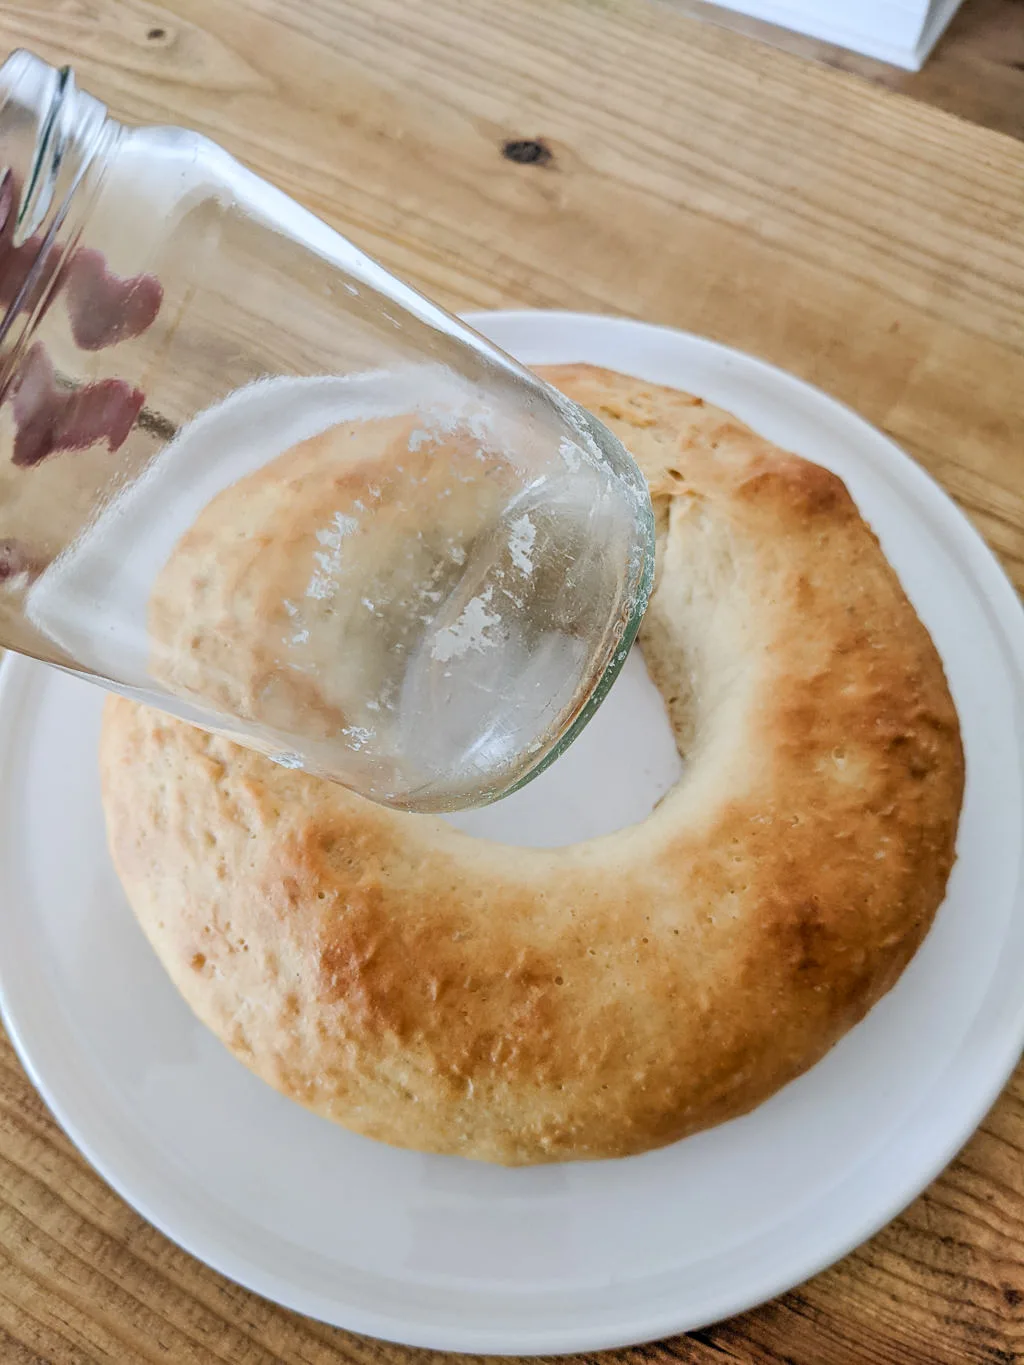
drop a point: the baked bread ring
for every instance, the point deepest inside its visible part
(521, 1005)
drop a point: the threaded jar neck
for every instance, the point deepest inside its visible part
(54, 141)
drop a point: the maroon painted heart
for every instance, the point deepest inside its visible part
(104, 308)
(48, 418)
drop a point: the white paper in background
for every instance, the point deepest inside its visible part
(902, 32)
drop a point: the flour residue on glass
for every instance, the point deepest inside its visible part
(470, 631)
(324, 582)
(522, 534)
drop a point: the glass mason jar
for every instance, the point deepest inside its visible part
(249, 477)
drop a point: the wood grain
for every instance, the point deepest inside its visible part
(861, 239)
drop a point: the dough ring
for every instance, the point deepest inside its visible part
(516, 1005)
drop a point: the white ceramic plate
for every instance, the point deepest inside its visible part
(443, 1253)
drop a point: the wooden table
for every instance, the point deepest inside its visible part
(676, 171)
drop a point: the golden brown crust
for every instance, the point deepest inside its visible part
(523, 1005)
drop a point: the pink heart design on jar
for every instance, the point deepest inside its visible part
(49, 419)
(103, 307)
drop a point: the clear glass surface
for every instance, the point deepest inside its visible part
(248, 476)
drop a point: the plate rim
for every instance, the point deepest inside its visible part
(641, 1326)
